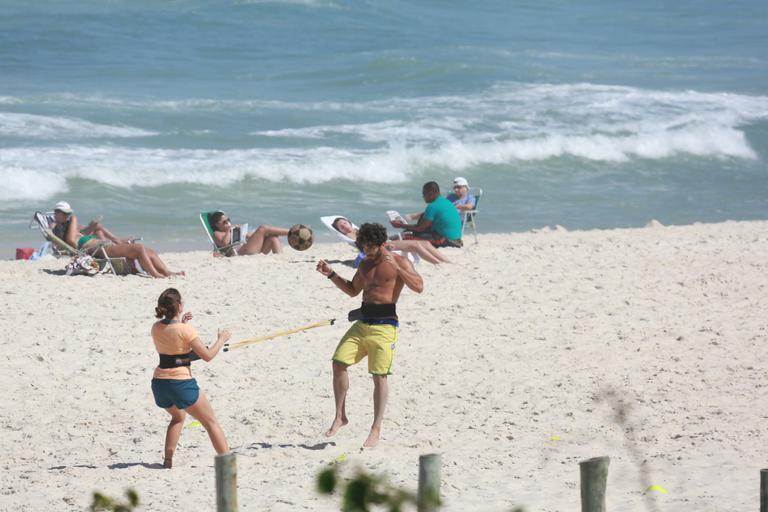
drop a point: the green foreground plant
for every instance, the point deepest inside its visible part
(102, 502)
(364, 491)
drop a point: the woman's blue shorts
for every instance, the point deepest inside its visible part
(181, 393)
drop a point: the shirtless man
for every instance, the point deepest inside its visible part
(381, 277)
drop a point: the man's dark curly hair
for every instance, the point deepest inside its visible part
(371, 234)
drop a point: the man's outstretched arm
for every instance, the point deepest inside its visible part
(351, 288)
(422, 226)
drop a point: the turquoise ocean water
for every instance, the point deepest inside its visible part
(588, 114)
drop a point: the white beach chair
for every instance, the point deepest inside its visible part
(470, 216)
(43, 221)
(328, 222)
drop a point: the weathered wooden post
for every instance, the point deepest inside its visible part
(764, 490)
(226, 483)
(428, 496)
(594, 475)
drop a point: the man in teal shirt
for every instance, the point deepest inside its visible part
(440, 223)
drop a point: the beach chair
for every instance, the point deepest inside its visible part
(470, 216)
(116, 266)
(205, 219)
(43, 221)
(107, 265)
(328, 222)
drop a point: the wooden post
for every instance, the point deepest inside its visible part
(764, 490)
(594, 474)
(428, 496)
(226, 483)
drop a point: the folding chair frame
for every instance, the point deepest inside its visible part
(470, 216)
(209, 231)
(62, 248)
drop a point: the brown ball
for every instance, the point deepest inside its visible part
(300, 237)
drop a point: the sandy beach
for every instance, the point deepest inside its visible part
(529, 353)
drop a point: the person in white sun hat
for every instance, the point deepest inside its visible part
(94, 229)
(65, 227)
(460, 197)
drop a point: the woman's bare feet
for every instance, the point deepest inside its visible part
(373, 438)
(168, 462)
(336, 425)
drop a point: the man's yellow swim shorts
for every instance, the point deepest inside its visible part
(375, 340)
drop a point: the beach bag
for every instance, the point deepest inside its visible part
(82, 266)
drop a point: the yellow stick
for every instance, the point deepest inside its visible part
(251, 341)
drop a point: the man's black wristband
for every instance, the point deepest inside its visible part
(332, 274)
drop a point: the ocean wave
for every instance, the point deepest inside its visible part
(54, 127)
(10, 100)
(508, 99)
(23, 170)
(397, 139)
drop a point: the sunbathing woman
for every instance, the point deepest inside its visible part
(423, 248)
(66, 228)
(264, 240)
(173, 387)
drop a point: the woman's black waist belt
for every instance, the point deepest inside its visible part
(177, 360)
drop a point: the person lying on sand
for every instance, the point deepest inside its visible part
(381, 277)
(423, 248)
(262, 241)
(173, 387)
(65, 227)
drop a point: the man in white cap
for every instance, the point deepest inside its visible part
(460, 197)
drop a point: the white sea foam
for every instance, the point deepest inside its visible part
(53, 127)
(23, 169)
(508, 97)
(10, 100)
(398, 138)
(29, 184)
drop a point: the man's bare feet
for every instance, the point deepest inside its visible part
(373, 438)
(168, 462)
(336, 425)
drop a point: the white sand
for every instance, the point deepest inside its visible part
(513, 344)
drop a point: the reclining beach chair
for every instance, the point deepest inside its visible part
(43, 221)
(470, 216)
(328, 221)
(205, 219)
(116, 266)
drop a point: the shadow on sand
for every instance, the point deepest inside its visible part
(268, 446)
(126, 465)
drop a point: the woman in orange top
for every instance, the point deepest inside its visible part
(173, 387)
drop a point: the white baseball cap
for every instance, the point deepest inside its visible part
(63, 206)
(461, 182)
